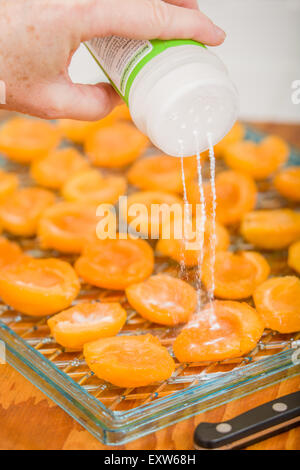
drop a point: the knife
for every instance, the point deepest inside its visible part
(260, 423)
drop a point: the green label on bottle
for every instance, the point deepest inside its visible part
(122, 59)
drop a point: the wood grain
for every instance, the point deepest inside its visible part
(29, 420)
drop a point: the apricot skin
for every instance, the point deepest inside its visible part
(294, 256)
(277, 300)
(39, 287)
(91, 187)
(20, 213)
(9, 182)
(24, 140)
(161, 171)
(236, 134)
(271, 229)
(54, 169)
(116, 146)
(258, 160)
(115, 264)
(79, 131)
(287, 183)
(10, 253)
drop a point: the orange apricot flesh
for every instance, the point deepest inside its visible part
(271, 229)
(258, 160)
(187, 251)
(67, 226)
(294, 256)
(223, 330)
(236, 134)
(9, 182)
(129, 361)
(235, 275)
(115, 146)
(93, 188)
(87, 322)
(24, 140)
(10, 253)
(115, 264)
(78, 131)
(121, 113)
(143, 215)
(236, 194)
(39, 287)
(287, 183)
(20, 213)
(59, 165)
(163, 299)
(278, 302)
(161, 171)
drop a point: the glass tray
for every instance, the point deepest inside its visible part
(116, 416)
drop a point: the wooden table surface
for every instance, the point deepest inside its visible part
(29, 420)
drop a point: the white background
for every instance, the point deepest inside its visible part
(261, 51)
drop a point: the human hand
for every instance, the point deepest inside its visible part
(39, 37)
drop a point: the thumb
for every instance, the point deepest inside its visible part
(83, 102)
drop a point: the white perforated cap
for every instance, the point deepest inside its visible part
(188, 103)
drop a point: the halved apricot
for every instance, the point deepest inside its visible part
(258, 160)
(236, 195)
(39, 287)
(8, 184)
(185, 250)
(236, 134)
(129, 361)
(115, 264)
(78, 131)
(56, 167)
(121, 113)
(10, 253)
(93, 188)
(87, 322)
(20, 213)
(287, 183)
(278, 302)
(236, 275)
(294, 256)
(161, 171)
(24, 140)
(67, 226)
(271, 229)
(147, 212)
(115, 146)
(222, 330)
(163, 299)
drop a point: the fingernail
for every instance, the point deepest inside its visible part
(221, 35)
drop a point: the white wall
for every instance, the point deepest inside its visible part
(261, 51)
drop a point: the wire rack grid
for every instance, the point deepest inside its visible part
(116, 415)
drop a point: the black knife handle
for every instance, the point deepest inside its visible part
(260, 423)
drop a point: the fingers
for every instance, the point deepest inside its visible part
(148, 19)
(82, 102)
(184, 3)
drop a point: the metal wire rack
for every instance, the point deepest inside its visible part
(116, 415)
